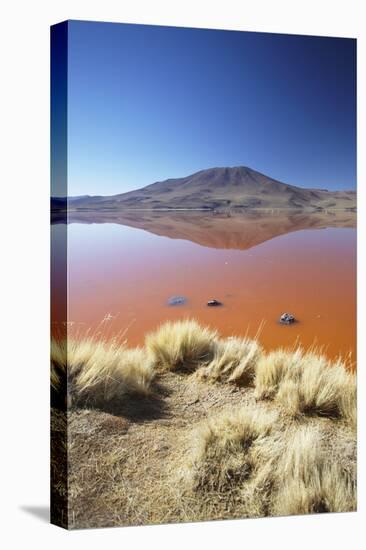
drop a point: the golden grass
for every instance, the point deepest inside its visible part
(234, 361)
(96, 372)
(221, 447)
(287, 448)
(181, 346)
(271, 370)
(310, 482)
(307, 383)
(302, 383)
(253, 461)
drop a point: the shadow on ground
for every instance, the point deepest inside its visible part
(140, 409)
(40, 512)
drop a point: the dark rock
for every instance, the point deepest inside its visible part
(213, 303)
(287, 319)
(177, 301)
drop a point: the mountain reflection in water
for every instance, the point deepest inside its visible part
(128, 264)
(236, 231)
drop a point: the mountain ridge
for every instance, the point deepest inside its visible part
(215, 189)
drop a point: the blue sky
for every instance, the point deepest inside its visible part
(148, 103)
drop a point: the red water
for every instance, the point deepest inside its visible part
(127, 275)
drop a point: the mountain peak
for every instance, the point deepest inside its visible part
(226, 187)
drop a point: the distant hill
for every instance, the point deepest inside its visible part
(216, 189)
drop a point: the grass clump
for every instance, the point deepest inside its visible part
(307, 383)
(234, 361)
(308, 482)
(271, 371)
(222, 452)
(181, 346)
(260, 465)
(98, 372)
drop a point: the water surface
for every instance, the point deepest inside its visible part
(124, 268)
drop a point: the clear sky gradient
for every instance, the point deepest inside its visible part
(149, 103)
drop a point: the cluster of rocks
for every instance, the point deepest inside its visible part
(285, 319)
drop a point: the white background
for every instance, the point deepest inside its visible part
(24, 269)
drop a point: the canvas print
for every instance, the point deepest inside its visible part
(203, 316)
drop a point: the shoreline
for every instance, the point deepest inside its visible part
(239, 209)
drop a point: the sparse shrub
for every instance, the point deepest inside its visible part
(181, 346)
(234, 361)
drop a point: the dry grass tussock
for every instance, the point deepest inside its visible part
(221, 448)
(307, 383)
(97, 372)
(262, 467)
(234, 361)
(181, 346)
(310, 482)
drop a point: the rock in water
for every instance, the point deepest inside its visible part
(287, 319)
(177, 301)
(213, 303)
